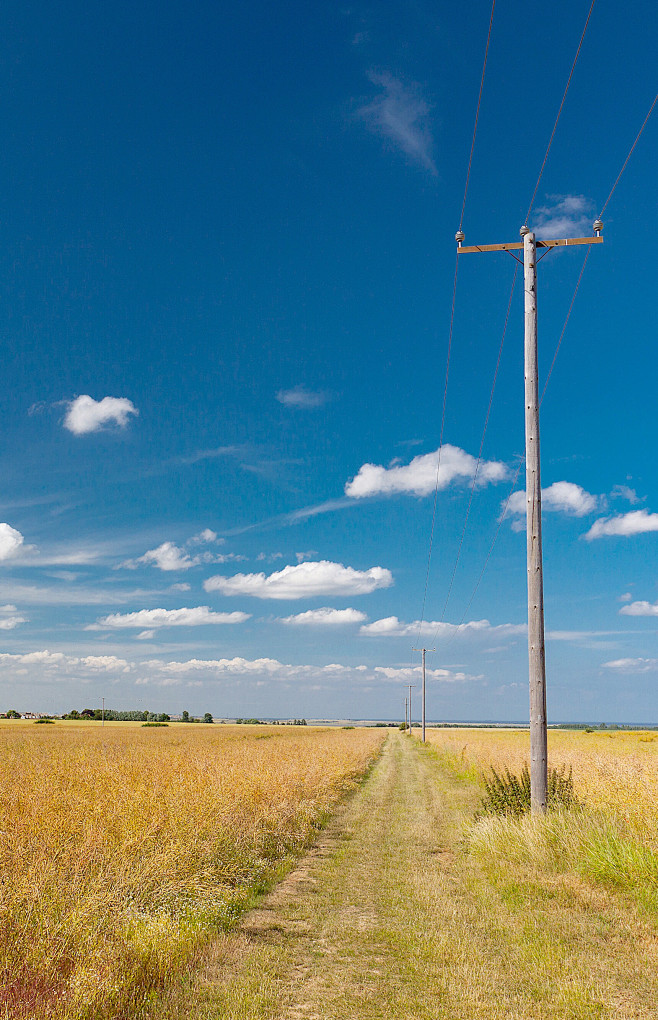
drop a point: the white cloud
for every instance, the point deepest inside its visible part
(306, 580)
(325, 617)
(85, 414)
(301, 556)
(10, 541)
(181, 586)
(400, 114)
(640, 609)
(419, 476)
(626, 597)
(632, 665)
(625, 492)
(145, 635)
(391, 626)
(406, 674)
(204, 537)
(561, 497)
(149, 618)
(105, 663)
(565, 216)
(302, 398)
(166, 557)
(637, 522)
(9, 618)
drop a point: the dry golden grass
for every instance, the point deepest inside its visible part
(614, 771)
(612, 839)
(124, 849)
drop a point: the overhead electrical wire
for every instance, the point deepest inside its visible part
(452, 320)
(550, 371)
(559, 112)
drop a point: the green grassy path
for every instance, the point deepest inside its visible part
(389, 918)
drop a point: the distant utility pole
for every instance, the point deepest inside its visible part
(103, 713)
(536, 653)
(406, 705)
(410, 686)
(423, 650)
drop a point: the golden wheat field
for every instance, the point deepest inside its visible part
(615, 772)
(124, 849)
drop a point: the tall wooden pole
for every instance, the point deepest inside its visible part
(536, 654)
(423, 712)
(406, 704)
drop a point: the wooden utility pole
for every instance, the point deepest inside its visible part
(406, 703)
(423, 650)
(536, 652)
(410, 686)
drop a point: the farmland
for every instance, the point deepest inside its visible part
(123, 849)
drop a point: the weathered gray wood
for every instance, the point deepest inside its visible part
(517, 245)
(536, 654)
(423, 713)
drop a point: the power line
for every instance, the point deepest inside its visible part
(479, 460)
(477, 113)
(644, 124)
(452, 320)
(559, 112)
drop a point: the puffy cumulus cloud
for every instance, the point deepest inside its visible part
(561, 497)
(391, 626)
(166, 557)
(632, 665)
(325, 618)
(10, 618)
(400, 114)
(302, 398)
(169, 556)
(205, 537)
(640, 609)
(564, 216)
(50, 667)
(10, 541)
(84, 414)
(637, 522)
(419, 477)
(306, 580)
(150, 618)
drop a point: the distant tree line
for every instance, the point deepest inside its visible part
(134, 715)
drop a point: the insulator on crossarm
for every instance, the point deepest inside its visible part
(459, 237)
(597, 226)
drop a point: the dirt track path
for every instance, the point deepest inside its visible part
(387, 918)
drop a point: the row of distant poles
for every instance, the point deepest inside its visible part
(536, 649)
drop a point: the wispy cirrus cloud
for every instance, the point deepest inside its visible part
(632, 665)
(391, 626)
(85, 414)
(419, 477)
(400, 114)
(636, 522)
(196, 616)
(306, 580)
(564, 216)
(300, 397)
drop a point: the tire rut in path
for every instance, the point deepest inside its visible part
(383, 919)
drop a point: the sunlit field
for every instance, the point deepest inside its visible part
(613, 770)
(124, 849)
(612, 838)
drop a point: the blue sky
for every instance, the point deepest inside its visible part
(226, 278)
